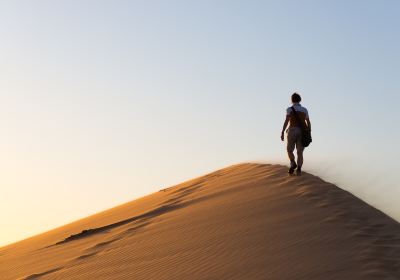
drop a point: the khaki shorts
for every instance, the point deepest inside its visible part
(294, 140)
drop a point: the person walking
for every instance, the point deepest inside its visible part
(297, 117)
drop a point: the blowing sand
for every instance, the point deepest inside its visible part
(247, 221)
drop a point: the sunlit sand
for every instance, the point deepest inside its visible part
(247, 221)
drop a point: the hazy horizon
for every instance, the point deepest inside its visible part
(104, 102)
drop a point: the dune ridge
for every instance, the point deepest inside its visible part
(246, 221)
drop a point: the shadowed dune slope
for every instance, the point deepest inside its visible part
(246, 221)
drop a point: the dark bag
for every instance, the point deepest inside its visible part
(305, 131)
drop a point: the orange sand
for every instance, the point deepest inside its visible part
(247, 221)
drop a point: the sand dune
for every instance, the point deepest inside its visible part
(247, 221)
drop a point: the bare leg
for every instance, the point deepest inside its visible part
(291, 143)
(299, 149)
(300, 157)
(291, 156)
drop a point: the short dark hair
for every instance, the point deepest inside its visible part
(296, 98)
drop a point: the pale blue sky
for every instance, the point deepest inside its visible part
(102, 102)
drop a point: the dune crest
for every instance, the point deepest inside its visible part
(246, 221)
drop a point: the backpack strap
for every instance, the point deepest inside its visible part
(297, 117)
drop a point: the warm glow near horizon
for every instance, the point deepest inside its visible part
(102, 103)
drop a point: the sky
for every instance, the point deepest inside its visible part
(102, 102)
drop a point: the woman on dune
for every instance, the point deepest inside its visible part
(298, 119)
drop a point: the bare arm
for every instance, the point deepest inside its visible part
(308, 123)
(284, 128)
